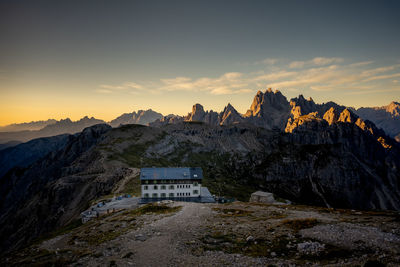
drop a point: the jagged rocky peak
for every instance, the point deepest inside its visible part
(197, 113)
(347, 116)
(301, 106)
(263, 102)
(230, 116)
(393, 108)
(269, 110)
(331, 116)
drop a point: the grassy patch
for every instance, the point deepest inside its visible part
(298, 224)
(132, 186)
(154, 208)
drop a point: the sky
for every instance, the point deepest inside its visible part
(62, 59)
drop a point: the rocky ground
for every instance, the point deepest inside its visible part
(236, 234)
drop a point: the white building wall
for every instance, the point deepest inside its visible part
(180, 190)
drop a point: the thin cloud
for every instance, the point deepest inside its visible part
(319, 74)
(375, 71)
(373, 91)
(297, 64)
(275, 75)
(317, 61)
(131, 87)
(103, 91)
(228, 83)
(381, 77)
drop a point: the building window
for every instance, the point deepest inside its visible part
(195, 184)
(195, 192)
(163, 187)
(171, 187)
(146, 195)
(155, 187)
(163, 195)
(155, 195)
(145, 187)
(171, 194)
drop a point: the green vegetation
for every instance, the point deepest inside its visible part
(132, 186)
(154, 208)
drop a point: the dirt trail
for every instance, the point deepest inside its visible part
(168, 234)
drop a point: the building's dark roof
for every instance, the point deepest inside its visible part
(171, 173)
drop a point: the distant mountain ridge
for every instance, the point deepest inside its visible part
(386, 117)
(27, 126)
(52, 127)
(143, 117)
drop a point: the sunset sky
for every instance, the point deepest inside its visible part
(98, 58)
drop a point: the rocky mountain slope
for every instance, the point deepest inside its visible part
(386, 117)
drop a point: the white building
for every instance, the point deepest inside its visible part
(170, 183)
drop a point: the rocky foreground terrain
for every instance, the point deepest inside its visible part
(235, 234)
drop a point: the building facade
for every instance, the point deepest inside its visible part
(171, 182)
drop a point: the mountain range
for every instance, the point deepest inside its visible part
(13, 134)
(268, 110)
(316, 154)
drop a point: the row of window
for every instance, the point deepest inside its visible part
(155, 195)
(164, 187)
(168, 182)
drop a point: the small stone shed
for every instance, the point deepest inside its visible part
(262, 197)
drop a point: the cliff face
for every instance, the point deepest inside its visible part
(269, 110)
